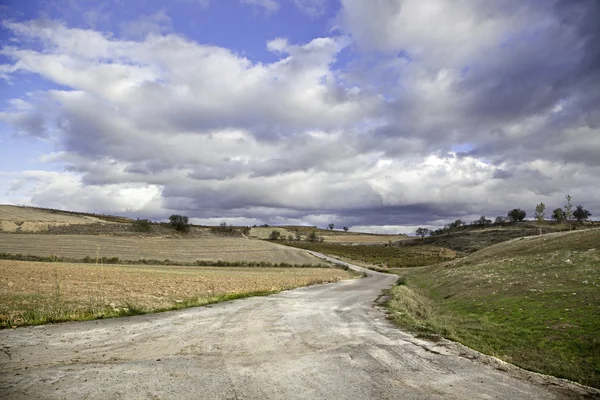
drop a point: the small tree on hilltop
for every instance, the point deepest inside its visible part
(568, 211)
(422, 232)
(500, 220)
(331, 226)
(179, 222)
(482, 221)
(516, 215)
(559, 216)
(540, 214)
(275, 235)
(345, 229)
(581, 214)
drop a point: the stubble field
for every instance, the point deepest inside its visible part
(133, 248)
(39, 292)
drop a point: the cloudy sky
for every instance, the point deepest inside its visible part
(379, 115)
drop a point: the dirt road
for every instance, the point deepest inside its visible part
(320, 342)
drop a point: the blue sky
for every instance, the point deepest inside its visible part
(381, 115)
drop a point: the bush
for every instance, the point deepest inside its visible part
(516, 215)
(179, 222)
(142, 225)
(275, 235)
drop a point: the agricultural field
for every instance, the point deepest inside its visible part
(133, 248)
(25, 219)
(534, 302)
(40, 292)
(379, 257)
(329, 236)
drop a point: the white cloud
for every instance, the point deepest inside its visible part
(269, 6)
(313, 8)
(160, 123)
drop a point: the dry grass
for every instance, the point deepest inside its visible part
(263, 233)
(65, 291)
(24, 219)
(329, 236)
(354, 238)
(134, 248)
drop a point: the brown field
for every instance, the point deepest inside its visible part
(24, 219)
(328, 235)
(64, 291)
(134, 248)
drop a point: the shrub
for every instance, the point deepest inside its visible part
(275, 235)
(179, 222)
(142, 225)
(516, 215)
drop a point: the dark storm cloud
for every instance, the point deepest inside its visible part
(372, 141)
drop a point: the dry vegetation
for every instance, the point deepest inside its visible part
(328, 235)
(133, 248)
(39, 292)
(25, 219)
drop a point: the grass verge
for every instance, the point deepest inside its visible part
(534, 302)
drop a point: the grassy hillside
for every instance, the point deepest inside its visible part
(468, 239)
(381, 257)
(534, 302)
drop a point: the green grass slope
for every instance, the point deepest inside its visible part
(533, 301)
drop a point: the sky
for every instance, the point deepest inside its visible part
(378, 115)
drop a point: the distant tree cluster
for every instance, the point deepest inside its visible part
(566, 214)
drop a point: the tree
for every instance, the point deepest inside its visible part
(422, 232)
(568, 211)
(516, 215)
(500, 220)
(298, 236)
(482, 221)
(274, 235)
(581, 214)
(345, 229)
(331, 226)
(312, 237)
(290, 238)
(540, 214)
(179, 222)
(558, 215)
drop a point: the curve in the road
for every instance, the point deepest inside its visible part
(319, 342)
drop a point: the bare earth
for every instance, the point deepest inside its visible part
(320, 342)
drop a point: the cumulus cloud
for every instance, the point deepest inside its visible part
(158, 123)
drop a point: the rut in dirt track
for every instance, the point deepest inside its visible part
(320, 342)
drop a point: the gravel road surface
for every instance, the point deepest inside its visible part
(320, 342)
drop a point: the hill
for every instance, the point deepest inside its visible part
(328, 235)
(533, 301)
(468, 239)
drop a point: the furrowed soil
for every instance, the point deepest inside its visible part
(151, 248)
(66, 291)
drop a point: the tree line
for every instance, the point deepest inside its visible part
(561, 215)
